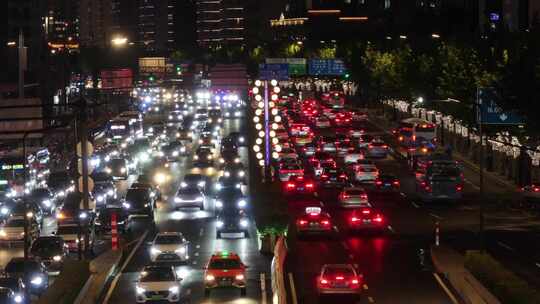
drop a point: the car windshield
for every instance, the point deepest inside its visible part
(19, 266)
(118, 163)
(137, 195)
(10, 283)
(46, 244)
(157, 275)
(338, 271)
(188, 191)
(168, 239)
(40, 193)
(192, 178)
(63, 230)
(5, 295)
(101, 177)
(15, 223)
(224, 264)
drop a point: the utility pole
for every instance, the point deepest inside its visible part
(24, 201)
(83, 127)
(22, 63)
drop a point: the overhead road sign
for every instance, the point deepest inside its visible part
(329, 67)
(278, 71)
(490, 113)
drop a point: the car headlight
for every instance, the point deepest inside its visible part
(177, 134)
(226, 173)
(4, 210)
(239, 277)
(237, 160)
(126, 205)
(243, 223)
(175, 153)
(170, 117)
(241, 139)
(123, 170)
(18, 299)
(37, 281)
(221, 161)
(160, 178)
(219, 186)
(100, 198)
(174, 289)
(209, 277)
(183, 184)
(238, 186)
(63, 193)
(3, 233)
(181, 250)
(220, 224)
(241, 173)
(155, 251)
(57, 258)
(177, 200)
(110, 192)
(150, 129)
(219, 204)
(47, 203)
(209, 157)
(196, 157)
(83, 215)
(201, 184)
(242, 203)
(107, 170)
(140, 290)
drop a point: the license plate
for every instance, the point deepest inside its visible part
(167, 256)
(156, 297)
(314, 224)
(300, 188)
(340, 285)
(387, 185)
(367, 221)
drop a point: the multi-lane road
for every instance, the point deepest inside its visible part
(199, 229)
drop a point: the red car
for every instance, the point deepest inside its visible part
(367, 218)
(298, 185)
(339, 279)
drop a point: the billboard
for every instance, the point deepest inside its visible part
(116, 79)
(297, 66)
(152, 65)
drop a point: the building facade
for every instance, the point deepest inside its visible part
(220, 23)
(95, 18)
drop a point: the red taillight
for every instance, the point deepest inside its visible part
(536, 189)
(324, 282)
(385, 146)
(310, 185)
(343, 176)
(378, 183)
(302, 222)
(290, 185)
(354, 219)
(324, 176)
(378, 219)
(396, 183)
(366, 211)
(325, 222)
(427, 188)
(355, 282)
(459, 188)
(370, 146)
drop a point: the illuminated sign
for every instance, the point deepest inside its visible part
(13, 167)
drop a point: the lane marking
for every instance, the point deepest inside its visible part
(198, 246)
(436, 216)
(201, 232)
(365, 287)
(506, 246)
(196, 254)
(391, 229)
(472, 184)
(445, 288)
(415, 205)
(126, 262)
(293, 289)
(402, 194)
(537, 265)
(371, 300)
(263, 288)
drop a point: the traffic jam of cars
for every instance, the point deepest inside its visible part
(131, 166)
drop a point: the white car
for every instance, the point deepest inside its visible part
(329, 147)
(353, 197)
(158, 283)
(322, 122)
(355, 133)
(169, 247)
(189, 197)
(377, 148)
(366, 171)
(286, 171)
(287, 153)
(353, 156)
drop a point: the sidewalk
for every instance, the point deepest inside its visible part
(451, 264)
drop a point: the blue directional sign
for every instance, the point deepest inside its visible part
(278, 71)
(490, 113)
(333, 67)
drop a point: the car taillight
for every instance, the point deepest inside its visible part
(400, 138)
(363, 196)
(378, 219)
(396, 183)
(302, 222)
(290, 185)
(459, 188)
(340, 278)
(309, 185)
(324, 176)
(536, 189)
(427, 188)
(354, 282)
(370, 146)
(385, 146)
(325, 222)
(343, 176)
(366, 211)
(354, 219)
(378, 183)
(324, 282)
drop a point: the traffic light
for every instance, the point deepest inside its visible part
(178, 70)
(347, 75)
(151, 78)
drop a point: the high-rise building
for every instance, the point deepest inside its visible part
(220, 22)
(61, 24)
(95, 18)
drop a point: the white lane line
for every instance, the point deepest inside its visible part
(126, 262)
(371, 300)
(198, 246)
(194, 263)
(196, 254)
(472, 184)
(201, 232)
(391, 229)
(505, 246)
(263, 288)
(365, 287)
(293, 289)
(435, 216)
(445, 288)
(415, 205)
(537, 265)
(402, 194)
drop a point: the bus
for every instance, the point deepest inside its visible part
(135, 120)
(412, 132)
(123, 128)
(12, 175)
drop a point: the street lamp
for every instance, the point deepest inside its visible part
(119, 41)
(12, 43)
(435, 36)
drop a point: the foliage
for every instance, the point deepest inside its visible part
(178, 56)
(505, 285)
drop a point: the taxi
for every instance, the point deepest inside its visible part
(314, 221)
(225, 270)
(298, 184)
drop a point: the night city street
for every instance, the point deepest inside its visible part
(284, 152)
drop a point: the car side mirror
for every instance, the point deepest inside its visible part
(53, 233)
